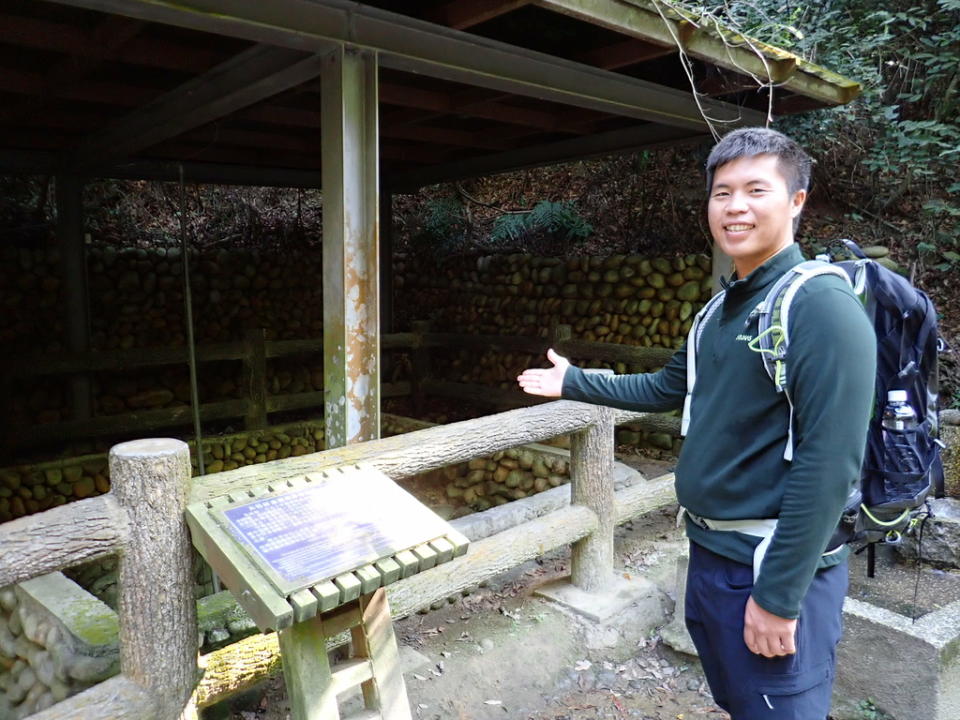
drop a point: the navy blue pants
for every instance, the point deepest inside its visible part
(749, 686)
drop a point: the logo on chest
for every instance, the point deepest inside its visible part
(743, 337)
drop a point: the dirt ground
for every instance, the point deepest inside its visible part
(502, 652)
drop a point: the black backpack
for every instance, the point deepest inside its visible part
(894, 485)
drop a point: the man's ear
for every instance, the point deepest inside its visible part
(797, 202)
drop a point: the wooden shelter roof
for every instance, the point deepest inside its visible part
(231, 89)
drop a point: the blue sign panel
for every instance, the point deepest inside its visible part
(313, 533)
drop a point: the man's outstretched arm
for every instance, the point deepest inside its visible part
(647, 392)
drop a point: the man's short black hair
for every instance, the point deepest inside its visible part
(792, 161)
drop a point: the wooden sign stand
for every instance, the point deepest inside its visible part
(309, 558)
(313, 684)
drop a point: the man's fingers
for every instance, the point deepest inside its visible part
(788, 645)
(750, 639)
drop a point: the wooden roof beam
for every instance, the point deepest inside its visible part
(633, 138)
(296, 117)
(624, 54)
(65, 38)
(444, 136)
(248, 155)
(416, 46)
(109, 35)
(463, 14)
(644, 20)
(255, 74)
(120, 94)
(436, 104)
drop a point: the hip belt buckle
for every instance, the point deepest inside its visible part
(698, 521)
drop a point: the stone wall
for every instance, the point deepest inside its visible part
(136, 301)
(624, 299)
(55, 640)
(26, 489)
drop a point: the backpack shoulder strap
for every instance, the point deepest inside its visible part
(693, 347)
(773, 340)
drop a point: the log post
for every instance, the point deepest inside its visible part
(255, 378)
(591, 476)
(420, 363)
(156, 607)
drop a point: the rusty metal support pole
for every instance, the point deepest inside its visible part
(75, 294)
(351, 333)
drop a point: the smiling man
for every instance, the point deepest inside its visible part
(765, 588)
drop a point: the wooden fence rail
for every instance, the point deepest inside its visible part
(144, 510)
(257, 403)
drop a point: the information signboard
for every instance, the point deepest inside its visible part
(329, 527)
(291, 550)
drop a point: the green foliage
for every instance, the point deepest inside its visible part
(868, 711)
(906, 54)
(443, 224)
(558, 221)
(897, 146)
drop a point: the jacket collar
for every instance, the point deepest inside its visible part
(766, 273)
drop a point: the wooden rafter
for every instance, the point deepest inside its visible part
(71, 40)
(258, 73)
(462, 14)
(437, 104)
(108, 36)
(411, 45)
(20, 82)
(647, 135)
(624, 54)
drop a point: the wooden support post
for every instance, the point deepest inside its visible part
(156, 606)
(375, 641)
(351, 333)
(306, 671)
(420, 364)
(75, 296)
(255, 378)
(591, 475)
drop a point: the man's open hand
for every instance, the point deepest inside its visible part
(767, 634)
(547, 382)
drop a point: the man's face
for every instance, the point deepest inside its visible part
(751, 212)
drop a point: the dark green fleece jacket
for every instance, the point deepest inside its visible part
(731, 466)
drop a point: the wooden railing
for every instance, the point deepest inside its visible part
(158, 630)
(157, 611)
(257, 404)
(253, 408)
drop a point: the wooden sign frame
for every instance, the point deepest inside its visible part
(304, 546)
